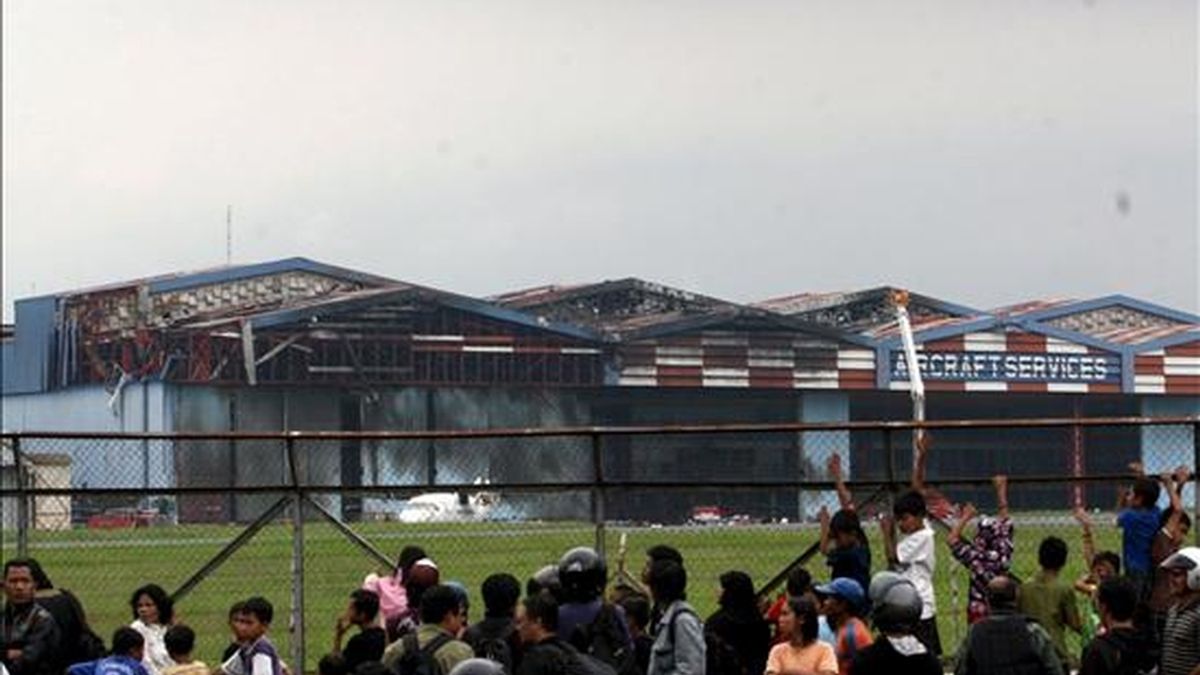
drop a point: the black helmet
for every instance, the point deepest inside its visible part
(477, 667)
(896, 605)
(583, 575)
(545, 579)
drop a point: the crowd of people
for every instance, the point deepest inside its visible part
(1139, 611)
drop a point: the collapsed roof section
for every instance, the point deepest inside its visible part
(613, 308)
(870, 313)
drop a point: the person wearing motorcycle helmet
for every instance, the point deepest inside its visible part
(545, 579)
(895, 610)
(585, 620)
(1181, 633)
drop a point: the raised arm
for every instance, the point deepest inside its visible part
(1089, 543)
(918, 475)
(845, 497)
(1000, 482)
(1173, 482)
(965, 514)
(823, 516)
(887, 528)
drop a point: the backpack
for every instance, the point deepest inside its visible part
(720, 657)
(604, 640)
(496, 646)
(573, 662)
(418, 660)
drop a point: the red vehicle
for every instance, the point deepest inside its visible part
(121, 519)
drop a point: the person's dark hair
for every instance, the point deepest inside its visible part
(366, 603)
(28, 563)
(180, 640)
(166, 607)
(637, 609)
(236, 608)
(806, 618)
(125, 640)
(1108, 557)
(910, 503)
(847, 522)
(408, 556)
(1147, 491)
(1002, 592)
(437, 602)
(664, 552)
(799, 581)
(668, 581)
(500, 594)
(1052, 554)
(332, 664)
(1119, 596)
(543, 608)
(259, 608)
(737, 594)
(1184, 519)
(41, 582)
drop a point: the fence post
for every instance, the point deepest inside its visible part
(22, 500)
(598, 515)
(1196, 482)
(297, 559)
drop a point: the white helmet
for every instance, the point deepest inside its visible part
(1186, 559)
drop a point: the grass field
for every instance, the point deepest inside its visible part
(103, 567)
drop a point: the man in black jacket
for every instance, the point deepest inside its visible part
(29, 635)
(1122, 648)
(495, 637)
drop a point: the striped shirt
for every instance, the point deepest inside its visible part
(1181, 638)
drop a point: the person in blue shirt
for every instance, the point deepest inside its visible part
(128, 648)
(1139, 522)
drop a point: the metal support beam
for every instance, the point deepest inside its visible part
(354, 537)
(598, 492)
(232, 547)
(248, 359)
(297, 619)
(22, 500)
(274, 351)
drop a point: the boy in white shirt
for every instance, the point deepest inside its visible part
(913, 556)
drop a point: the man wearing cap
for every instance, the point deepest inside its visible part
(841, 602)
(1181, 633)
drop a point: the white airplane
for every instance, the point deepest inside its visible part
(449, 507)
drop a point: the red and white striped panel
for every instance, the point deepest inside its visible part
(1015, 342)
(1173, 370)
(748, 362)
(492, 344)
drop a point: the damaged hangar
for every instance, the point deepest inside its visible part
(299, 345)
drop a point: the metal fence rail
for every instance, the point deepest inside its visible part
(301, 517)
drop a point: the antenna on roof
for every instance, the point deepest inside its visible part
(229, 234)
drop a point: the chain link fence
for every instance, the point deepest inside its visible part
(301, 518)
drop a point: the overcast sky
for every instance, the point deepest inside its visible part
(983, 152)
